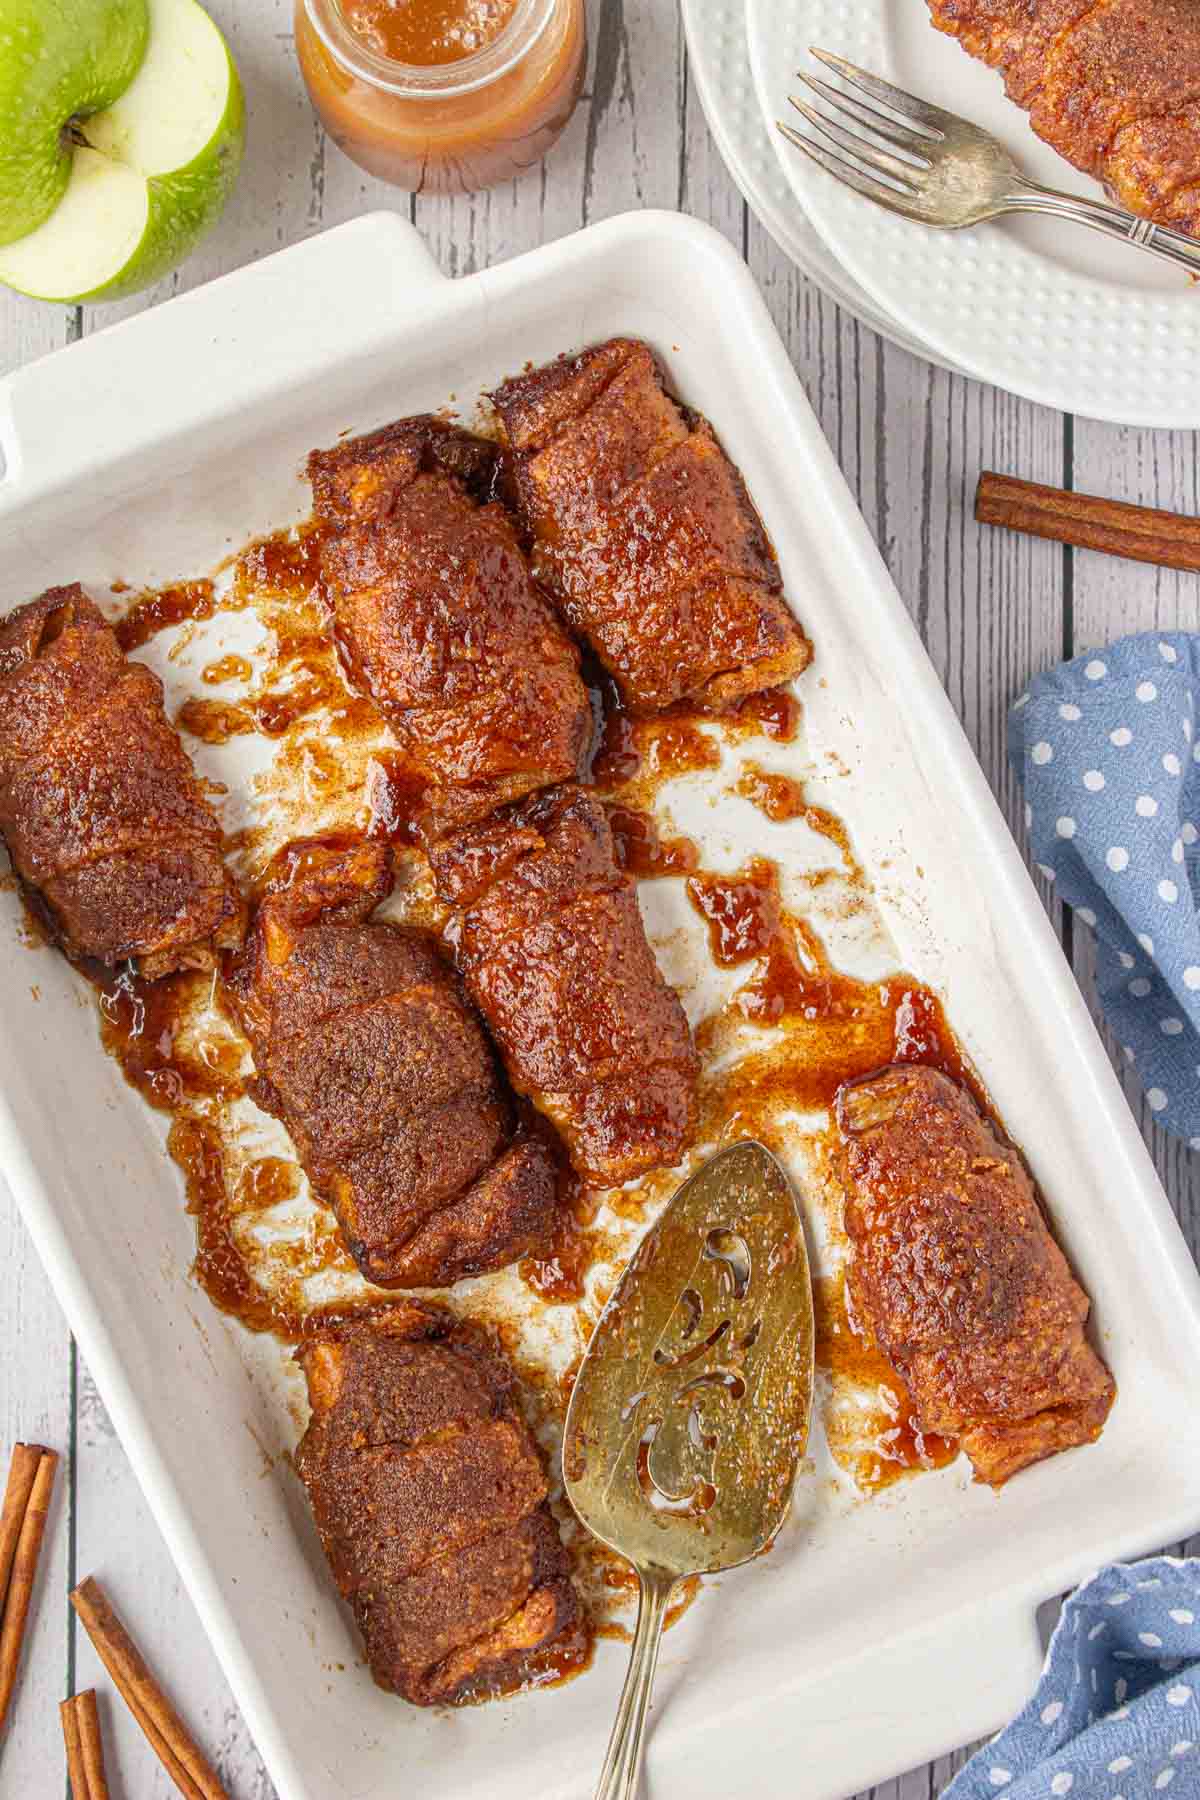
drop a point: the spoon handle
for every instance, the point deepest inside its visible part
(623, 1764)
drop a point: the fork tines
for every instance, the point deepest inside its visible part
(942, 171)
(893, 181)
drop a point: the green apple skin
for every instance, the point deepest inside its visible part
(183, 205)
(59, 60)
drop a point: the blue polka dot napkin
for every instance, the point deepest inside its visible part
(1116, 1715)
(1106, 747)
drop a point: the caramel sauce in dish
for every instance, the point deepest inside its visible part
(559, 1272)
(643, 849)
(755, 950)
(182, 604)
(868, 1416)
(178, 1047)
(792, 1027)
(810, 1027)
(395, 798)
(226, 668)
(634, 757)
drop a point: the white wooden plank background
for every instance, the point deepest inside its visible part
(991, 608)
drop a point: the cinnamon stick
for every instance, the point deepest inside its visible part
(1141, 533)
(23, 1573)
(85, 1749)
(77, 1775)
(93, 1747)
(164, 1730)
(21, 1471)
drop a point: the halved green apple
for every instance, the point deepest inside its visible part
(146, 172)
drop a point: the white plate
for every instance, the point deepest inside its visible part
(1054, 312)
(877, 1634)
(720, 64)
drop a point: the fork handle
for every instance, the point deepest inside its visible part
(623, 1764)
(1113, 221)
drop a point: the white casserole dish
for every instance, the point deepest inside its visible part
(876, 1635)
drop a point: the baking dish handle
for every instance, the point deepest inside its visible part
(67, 415)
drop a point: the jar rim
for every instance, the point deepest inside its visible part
(444, 81)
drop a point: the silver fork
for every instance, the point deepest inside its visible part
(950, 173)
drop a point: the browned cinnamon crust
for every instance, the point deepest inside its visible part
(959, 1279)
(551, 942)
(1112, 86)
(100, 808)
(429, 1495)
(366, 1051)
(439, 620)
(644, 532)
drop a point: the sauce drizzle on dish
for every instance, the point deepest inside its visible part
(792, 1030)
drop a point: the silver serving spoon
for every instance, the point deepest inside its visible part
(691, 1410)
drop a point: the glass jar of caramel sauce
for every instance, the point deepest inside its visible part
(443, 96)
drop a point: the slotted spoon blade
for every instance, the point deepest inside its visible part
(691, 1410)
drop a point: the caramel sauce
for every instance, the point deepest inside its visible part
(334, 771)
(746, 921)
(674, 746)
(742, 911)
(644, 851)
(610, 1585)
(326, 735)
(828, 1028)
(779, 797)
(220, 1266)
(860, 1029)
(558, 1274)
(617, 758)
(560, 1661)
(227, 668)
(396, 797)
(143, 1025)
(442, 138)
(271, 713)
(427, 32)
(271, 1181)
(775, 713)
(688, 1590)
(278, 576)
(796, 981)
(284, 563)
(836, 1028)
(193, 1074)
(214, 721)
(163, 608)
(647, 752)
(877, 1438)
(312, 689)
(280, 1304)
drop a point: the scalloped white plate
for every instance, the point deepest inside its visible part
(720, 64)
(1054, 313)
